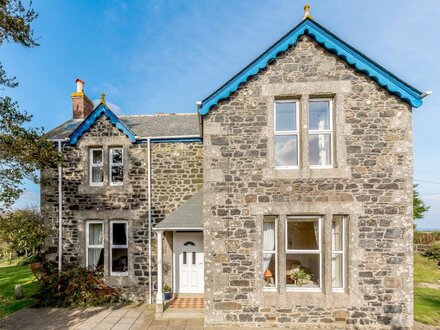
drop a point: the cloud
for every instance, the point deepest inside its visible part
(112, 106)
(29, 198)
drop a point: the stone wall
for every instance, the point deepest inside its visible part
(371, 183)
(176, 175)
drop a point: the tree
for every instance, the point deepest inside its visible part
(21, 234)
(419, 207)
(23, 150)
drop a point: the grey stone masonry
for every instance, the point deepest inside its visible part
(177, 175)
(370, 183)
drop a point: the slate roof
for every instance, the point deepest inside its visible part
(332, 43)
(186, 216)
(160, 125)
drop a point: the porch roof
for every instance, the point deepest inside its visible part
(188, 216)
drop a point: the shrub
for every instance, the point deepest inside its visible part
(75, 287)
(426, 237)
(433, 252)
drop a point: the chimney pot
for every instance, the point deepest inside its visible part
(80, 86)
(81, 104)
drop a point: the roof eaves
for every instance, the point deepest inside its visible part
(332, 43)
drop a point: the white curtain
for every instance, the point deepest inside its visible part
(95, 238)
(316, 229)
(268, 242)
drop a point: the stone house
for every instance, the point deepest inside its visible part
(285, 200)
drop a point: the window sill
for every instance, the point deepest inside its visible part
(271, 289)
(124, 274)
(105, 189)
(320, 167)
(286, 167)
(293, 289)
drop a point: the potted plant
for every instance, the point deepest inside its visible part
(167, 292)
(299, 277)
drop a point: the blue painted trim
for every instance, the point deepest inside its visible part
(100, 110)
(172, 140)
(332, 43)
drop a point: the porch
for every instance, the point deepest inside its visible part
(180, 261)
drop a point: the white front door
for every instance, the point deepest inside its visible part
(190, 262)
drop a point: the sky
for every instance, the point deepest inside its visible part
(162, 56)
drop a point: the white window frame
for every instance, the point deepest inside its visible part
(88, 246)
(294, 251)
(340, 252)
(322, 132)
(92, 165)
(111, 164)
(274, 252)
(287, 133)
(112, 273)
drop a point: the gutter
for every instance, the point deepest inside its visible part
(167, 137)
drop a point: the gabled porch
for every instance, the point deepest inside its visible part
(180, 260)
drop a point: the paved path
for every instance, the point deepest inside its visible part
(115, 317)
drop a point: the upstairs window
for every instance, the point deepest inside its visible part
(96, 160)
(286, 134)
(116, 162)
(320, 133)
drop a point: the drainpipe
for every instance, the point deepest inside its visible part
(60, 215)
(149, 221)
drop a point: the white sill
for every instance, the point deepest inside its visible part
(320, 167)
(270, 289)
(116, 184)
(286, 167)
(119, 274)
(338, 290)
(96, 184)
(302, 289)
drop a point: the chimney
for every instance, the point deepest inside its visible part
(81, 104)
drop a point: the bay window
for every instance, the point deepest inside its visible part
(320, 133)
(94, 245)
(96, 170)
(303, 253)
(269, 260)
(286, 138)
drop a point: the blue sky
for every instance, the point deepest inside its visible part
(162, 56)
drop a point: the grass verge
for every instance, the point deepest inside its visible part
(426, 300)
(10, 276)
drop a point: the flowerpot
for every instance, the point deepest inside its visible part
(168, 295)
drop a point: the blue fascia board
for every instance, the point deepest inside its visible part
(332, 43)
(100, 110)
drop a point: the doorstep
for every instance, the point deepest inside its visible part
(184, 307)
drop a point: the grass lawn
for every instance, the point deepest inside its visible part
(10, 276)
(426, 300)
